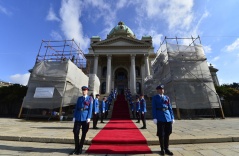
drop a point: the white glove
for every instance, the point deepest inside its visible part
(173, 121)
(155, 121)
(142, 112)
(73, 120)
(103, 111)
(88, 120)
(95, 112)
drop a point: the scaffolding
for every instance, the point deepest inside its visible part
(56, 79)
(61, 51)
(184, 71)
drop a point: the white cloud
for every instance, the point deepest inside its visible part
(55, 35)
(4, 10)
(106, 12)
(177, 14)
(20, 78)
(121, 3)
(233, 46)
(70, 13)
(215, 58)
(207, 49)
(51, 16)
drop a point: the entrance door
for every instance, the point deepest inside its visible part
(121, 80)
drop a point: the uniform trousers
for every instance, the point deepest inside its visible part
(143, 118)
(164, 129)
(95, 119)
(137, 115)
(106, 114)
(102, 116)
(76, 131)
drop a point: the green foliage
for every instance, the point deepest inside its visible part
(11, 98)
(230, 92)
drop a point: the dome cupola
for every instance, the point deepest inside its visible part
(121, 30)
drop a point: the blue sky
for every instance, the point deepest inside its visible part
(23, 24)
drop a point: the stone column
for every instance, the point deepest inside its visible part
(133, 77)
(146, 61)
(108, 75)
(95, 64)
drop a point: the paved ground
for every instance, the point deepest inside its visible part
(16, 148)
(184, 131)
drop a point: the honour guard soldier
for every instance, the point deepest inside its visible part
(96, 105)
(82, 116)
(163, 117)
(131, 102)
(137, 108)
(103, 109)
(143, 110)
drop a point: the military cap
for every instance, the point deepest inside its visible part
(160, 87)
(97, 95)
(84, 88)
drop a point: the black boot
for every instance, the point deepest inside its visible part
(166, 144)
(161, 141)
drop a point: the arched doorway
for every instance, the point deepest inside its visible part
(121, 80)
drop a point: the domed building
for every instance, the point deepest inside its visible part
(121, 60)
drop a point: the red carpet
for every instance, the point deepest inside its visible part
(120, 135)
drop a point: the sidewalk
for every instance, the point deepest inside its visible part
(184, 131)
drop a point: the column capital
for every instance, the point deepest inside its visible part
(109, 56)
(132, 56)
(96, 55)
(146, 55)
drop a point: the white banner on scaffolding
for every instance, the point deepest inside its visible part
(44, 92)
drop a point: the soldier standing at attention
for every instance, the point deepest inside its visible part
(137, 108)
(103, 109)
(143, 110)
(163, 117)
(96, 111)
(82, 116)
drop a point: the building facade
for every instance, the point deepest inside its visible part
(121, 61)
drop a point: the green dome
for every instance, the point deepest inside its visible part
(121, 30)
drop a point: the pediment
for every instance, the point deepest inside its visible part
(121, 41)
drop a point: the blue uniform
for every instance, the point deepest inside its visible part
(83, 109)
(103, 106)
(143, 105)
(96, 106)
(162, 109)
(137, 106)
(131, 105)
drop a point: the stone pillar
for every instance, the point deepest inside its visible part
(133, 77)
(95, 64)
(146, 61)
(108, 75)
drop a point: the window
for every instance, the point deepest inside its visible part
(104, 71)
(137, 70)
(103, 88)
(138, 88)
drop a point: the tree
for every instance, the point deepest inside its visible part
(230, 92)
(11, 99)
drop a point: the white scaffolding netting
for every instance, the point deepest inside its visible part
(66, 79)
(94, 84)
(185, 73)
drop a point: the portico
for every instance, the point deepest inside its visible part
(121, 61)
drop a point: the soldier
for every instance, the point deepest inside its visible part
(103, 109)
(82, 116)
(137, 108)
(143, 110)
(96, 111)
(163, 117)
(131, 102)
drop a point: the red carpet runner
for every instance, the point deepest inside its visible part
(120, 135)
